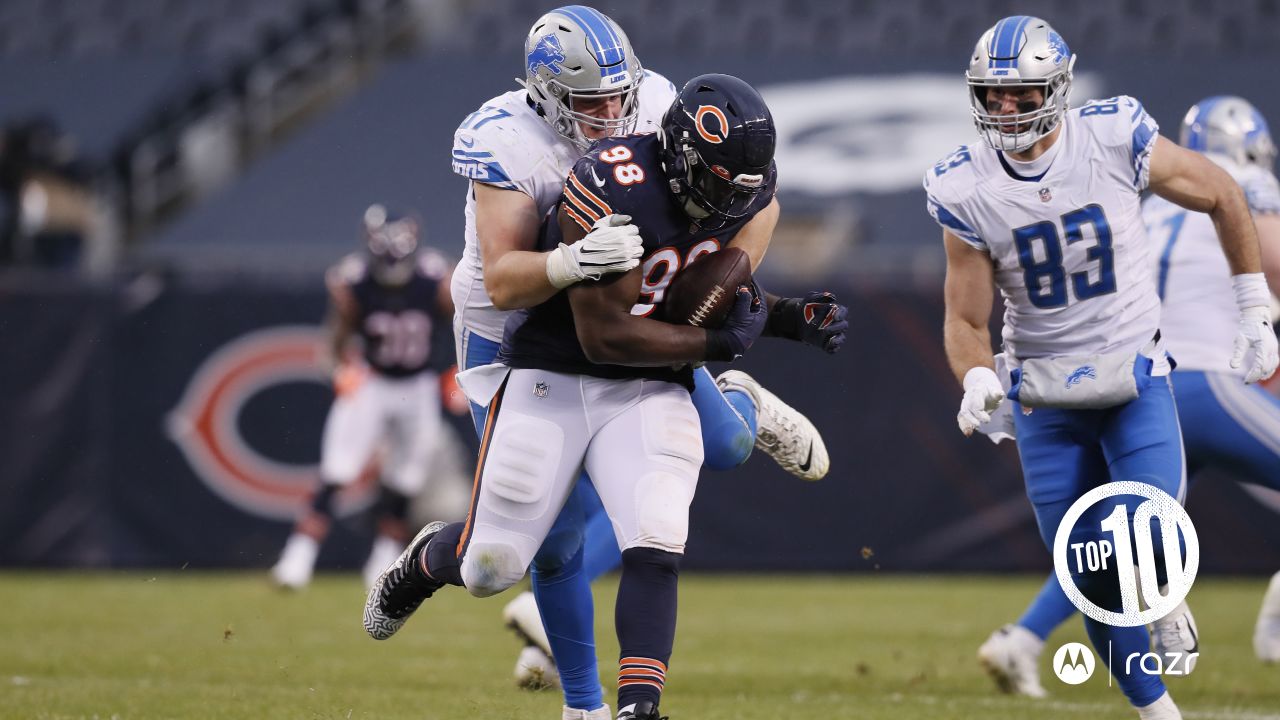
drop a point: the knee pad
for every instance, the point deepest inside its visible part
(662, 511)
(490, 567)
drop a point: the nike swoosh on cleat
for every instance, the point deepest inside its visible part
(804, 467)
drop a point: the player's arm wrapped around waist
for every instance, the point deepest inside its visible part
(1080, 382)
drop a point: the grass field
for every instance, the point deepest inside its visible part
(202, 645)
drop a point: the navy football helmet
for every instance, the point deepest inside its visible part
(717, 148)
(392, 242)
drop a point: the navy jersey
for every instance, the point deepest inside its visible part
(618, 176)
(396, 323)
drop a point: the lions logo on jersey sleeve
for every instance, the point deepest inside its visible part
(495, 146)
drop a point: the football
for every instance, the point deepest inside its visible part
(702, 294)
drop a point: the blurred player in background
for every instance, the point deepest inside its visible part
(583, 82)
(392, 296)
(590, 379)
(1045, 174)
(1225, 423)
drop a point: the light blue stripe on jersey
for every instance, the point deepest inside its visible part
(954, 224)
(1144, 133)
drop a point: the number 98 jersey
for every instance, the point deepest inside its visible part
(1065, 232)
(620, 176)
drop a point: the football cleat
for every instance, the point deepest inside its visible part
(782, 432)
(1011, 657)
(535, 670)
(297, 561)
(400, 589)
(600, 713)
(1176, 633)
(1162, 709)
(522, 616)
(1266, 636)
(643, 710)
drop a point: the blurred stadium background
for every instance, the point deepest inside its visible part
(176, 174)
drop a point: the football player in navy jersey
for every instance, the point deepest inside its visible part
(593, 380)
(395, 297)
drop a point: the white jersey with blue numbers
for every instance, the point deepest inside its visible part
(1200, 316)
(506, 144)
(1065, 232)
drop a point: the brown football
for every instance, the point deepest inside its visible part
(702, 293)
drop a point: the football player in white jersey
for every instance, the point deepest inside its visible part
(1047, 209)
(392, 296)
(1226, 424)
(583, 82)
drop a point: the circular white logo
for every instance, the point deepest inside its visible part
(1073, 663)
(1124, 553)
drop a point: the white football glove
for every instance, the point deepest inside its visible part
(1255, 331)
(982, 395)
(612, 246)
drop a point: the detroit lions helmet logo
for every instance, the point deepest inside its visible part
(1080, 373)
(1059, 48)
(547, 53)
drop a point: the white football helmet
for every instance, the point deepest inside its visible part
(1020, 50)
(576, 52)
(1229, 126)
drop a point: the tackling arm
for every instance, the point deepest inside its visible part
(755, 236)
(515, 276)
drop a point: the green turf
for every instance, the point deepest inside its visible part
(196, 645)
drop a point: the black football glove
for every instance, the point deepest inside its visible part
(745, 323)
(815, 319)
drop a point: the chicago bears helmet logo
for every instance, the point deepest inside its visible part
(205, 425)
(715, 132)
(547, 53)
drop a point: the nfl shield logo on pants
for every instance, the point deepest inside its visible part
(540, 389)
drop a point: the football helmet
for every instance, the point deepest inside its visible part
(1020, 50)
(717, 140)
(578, 53)
(392, 242)
(1229, 126)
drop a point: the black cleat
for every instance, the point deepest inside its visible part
(400, 589)
(643, 710)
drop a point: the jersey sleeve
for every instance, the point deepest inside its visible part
(1262, 193)
(942, 201)
(656, 95)
(1124, 127)
(586, 190)
(487, 149)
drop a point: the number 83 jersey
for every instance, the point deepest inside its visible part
(1065, 232)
